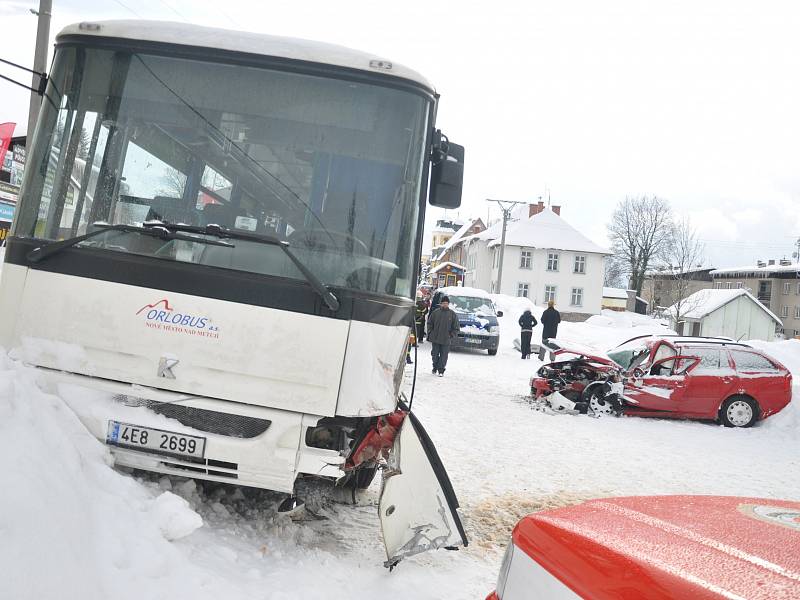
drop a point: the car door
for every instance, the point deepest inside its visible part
(417, 504)
(758, 377)
(708, 384)
(662, 388)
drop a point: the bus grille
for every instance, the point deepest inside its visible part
(210, 421)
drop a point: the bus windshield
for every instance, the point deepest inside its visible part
(331, 166)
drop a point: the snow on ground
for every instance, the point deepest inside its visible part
(73, 527)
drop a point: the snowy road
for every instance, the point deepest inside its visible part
(74, 528)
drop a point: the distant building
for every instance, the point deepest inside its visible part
(545, 258)
(620, 299)
(733, 313)
(775, 283)
(446, 274)
(451, 250)
(661, 286)
(445, 229)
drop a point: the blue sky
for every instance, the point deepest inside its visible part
(693, 101)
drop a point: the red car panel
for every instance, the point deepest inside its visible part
(664, 547)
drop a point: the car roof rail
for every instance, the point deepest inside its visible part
(725, 341)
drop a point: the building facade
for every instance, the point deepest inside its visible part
(662, 287)
(775, 283)
(545, 259)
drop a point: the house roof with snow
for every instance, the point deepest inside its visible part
(619, 293)
(444, 265)
(756, 270)
(543, 230)
(703, 303)
(457, 237)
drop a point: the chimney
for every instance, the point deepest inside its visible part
(535, 209)
(771, 262)
(761, 263)
(785, 262)
(556, 209)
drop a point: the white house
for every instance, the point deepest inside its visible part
(733, 313)
(545, 258)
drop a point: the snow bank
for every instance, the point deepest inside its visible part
(68, 521)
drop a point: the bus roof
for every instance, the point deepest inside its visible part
(247, 42)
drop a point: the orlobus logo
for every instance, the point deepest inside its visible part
(163, 316)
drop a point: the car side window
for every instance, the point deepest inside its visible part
(710, 359)
(750, 361)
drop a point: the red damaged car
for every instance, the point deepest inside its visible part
(666, 376)
(656, 547)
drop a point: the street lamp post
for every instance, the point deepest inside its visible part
(39, 63)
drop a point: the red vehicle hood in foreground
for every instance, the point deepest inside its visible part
(661, 547)
(565, 347)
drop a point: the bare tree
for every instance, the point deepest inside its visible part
(684, 255)
(640, 232)
(614, 272)
(172, 183)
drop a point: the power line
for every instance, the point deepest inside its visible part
(128, 8)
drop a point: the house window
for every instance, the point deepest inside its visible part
(797, 312)
(522, 290)
(739, 285)
(784, 311)
(798, 289)
(491, 287)
(552, 261)
(787, 287)
(580, 264)
(549, 293)
(525, 259)
(717, 285)
(576, 298)
(728, 285)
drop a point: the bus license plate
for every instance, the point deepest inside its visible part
(147, 438)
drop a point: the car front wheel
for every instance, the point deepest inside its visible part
(492, 352)
(738, 411)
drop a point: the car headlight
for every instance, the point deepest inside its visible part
(494, 329)
(504, 567)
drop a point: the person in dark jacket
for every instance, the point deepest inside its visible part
(443, 326)
(420, 314)
(550, 320)
(526, 322)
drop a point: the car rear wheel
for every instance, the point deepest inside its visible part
(738, 411)
(492, 352)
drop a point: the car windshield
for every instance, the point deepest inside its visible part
(629, 355)
(471, 304)
(332, 166)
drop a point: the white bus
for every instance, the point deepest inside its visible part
(215, 253)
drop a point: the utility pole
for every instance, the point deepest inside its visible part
(506, 206)
(39, 63)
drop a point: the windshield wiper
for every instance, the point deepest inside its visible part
(331, 301)
(158, 231)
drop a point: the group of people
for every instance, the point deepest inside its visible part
(550, 320)
(441, 326)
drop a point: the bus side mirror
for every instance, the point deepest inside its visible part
(447, 174)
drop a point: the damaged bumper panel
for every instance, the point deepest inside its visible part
(418, 506)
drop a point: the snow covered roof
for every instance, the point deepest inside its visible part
(244, 41)
(457, 236)
(758, 270)
(438, 268)
(544, 230)
(458, 290)
(610, 292)
(704, 302)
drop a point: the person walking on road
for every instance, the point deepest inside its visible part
(420, 314)
(442, 328)
(526, 322)
(550, 320)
